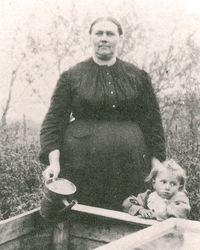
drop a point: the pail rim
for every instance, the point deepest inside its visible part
(60, 186)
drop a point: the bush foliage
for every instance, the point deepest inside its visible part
(21, 183)
(190, 161)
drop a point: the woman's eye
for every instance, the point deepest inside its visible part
(110, 34)
(99, 33)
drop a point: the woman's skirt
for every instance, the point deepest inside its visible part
(106, 160)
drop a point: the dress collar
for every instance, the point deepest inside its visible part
(105, 66)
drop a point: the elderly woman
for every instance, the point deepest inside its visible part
(108, 149)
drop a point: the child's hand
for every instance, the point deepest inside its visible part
(146, 213)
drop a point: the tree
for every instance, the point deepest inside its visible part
(12, 81)
(17, 62)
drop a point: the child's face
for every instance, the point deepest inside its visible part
(166, 184)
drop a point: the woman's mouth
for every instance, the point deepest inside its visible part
(103, 46)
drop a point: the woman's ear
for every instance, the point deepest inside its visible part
(120, 44)
(90, 39)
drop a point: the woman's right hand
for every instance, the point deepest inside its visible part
(51, 171)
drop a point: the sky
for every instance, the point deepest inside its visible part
(159, 14)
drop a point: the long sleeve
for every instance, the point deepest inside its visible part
(133, 204)
(56, 119)
(179, 206)
(150, 119)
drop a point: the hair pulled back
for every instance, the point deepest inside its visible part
(110, 19)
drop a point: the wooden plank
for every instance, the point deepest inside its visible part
(61, 236)
(11, 245)
(140, 238)
(84, 244)
(35, 240)
(117, 215)
(101, 229)
(189, 225)
(17, 226)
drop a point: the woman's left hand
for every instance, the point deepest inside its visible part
(155, 162)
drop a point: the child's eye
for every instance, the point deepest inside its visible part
(173, 184)
(162, 181)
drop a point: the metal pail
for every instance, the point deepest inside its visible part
(57, 198)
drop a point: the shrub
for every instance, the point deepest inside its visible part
(21, 172)
(183, 152)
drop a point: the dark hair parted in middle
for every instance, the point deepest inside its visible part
(111, 19)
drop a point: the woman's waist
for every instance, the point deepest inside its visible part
(81, 127)
(105, 138)
(104, 115)
(92, 122)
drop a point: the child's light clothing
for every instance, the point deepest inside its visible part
(158, 205)
(178, 206)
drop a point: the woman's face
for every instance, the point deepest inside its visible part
(105, 39)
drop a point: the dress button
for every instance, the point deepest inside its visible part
(107, 73)
(109, 83)
(113, 106)
(111, 92)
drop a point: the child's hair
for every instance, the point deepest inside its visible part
(171, 165)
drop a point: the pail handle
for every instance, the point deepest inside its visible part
(68, 205)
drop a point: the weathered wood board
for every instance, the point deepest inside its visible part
(84, 227)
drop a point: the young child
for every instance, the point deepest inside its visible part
(169, 197)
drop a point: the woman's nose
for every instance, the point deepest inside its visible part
(104, 37)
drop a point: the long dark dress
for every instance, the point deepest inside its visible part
(106, 150)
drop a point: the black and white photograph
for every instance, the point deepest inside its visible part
(100, 125)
